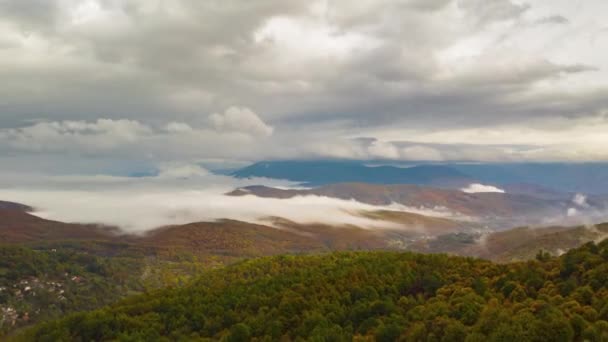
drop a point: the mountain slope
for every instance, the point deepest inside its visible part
(490, 205)
(17, 226)
(37, 285)
(230, 238)
(517, 244)
(224, 237)
(366, 295)
(236, 239)
(523, 243)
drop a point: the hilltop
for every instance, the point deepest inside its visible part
(385, 296)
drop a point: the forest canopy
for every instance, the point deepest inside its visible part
(386, 296)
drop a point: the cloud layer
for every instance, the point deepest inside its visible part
(111, 82)
(180, 194)
(477, 188)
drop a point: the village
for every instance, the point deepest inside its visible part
(22, 301)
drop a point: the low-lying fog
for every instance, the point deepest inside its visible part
(186, 194)
(177, 196)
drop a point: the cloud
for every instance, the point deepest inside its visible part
(383, 150)
(553, 19)
(477, 188)
(580, 200)
(180, 194)
(489, 11)
(178, 127)
(420, 152)
(558, 139)
(65, 135)
(184, 171)
(240, 119)
(318, 74)
(572, 212)
(583, 212)
(123, 138)
(128, 144)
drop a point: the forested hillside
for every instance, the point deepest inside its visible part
(48, 281)
(37, 285)
(385, 296)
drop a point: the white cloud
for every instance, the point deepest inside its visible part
(240, 119)
(572, 212)
(68, 135)
(180, 195)
(431, 72)
(418, 152)
(123, 138)
(489, 11)
(133, 142)
(383, 150)
(301, 39)
(182, 171)
(580, 200)
(178, 127)
(477, 188)
(542, 139)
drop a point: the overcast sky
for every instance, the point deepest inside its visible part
(116, 86)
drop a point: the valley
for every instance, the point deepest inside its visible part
(327, 171)
(51, 268)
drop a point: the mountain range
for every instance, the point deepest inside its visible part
(590, 178)
(73, 266)
(499, 210)
(53, 268)
(327, 172)
(275, 235)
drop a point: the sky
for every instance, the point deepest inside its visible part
(120, 86)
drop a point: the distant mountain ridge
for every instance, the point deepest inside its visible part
(328, 172)
(590, 178)
(549, 179)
